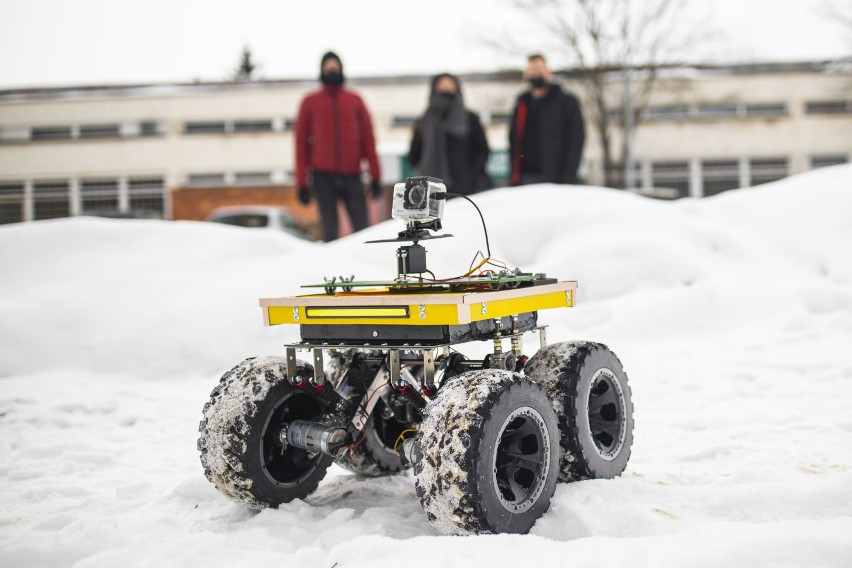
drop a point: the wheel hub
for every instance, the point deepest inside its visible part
(521, 460)
(283, 464)
(606, 414)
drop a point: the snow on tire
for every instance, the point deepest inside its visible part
(589, 390)
(486, 454)
(239, 446)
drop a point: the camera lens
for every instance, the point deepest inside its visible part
(416, 197)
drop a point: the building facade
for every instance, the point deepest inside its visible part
(127, 150)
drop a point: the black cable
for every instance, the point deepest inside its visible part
(484, 228)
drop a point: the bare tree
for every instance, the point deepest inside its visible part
(611, 42)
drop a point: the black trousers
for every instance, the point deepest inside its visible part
(329, 188)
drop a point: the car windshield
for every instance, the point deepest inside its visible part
(243, 220)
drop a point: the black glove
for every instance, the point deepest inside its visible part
(305, 195)
(376, 189)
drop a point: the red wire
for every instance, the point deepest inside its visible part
(364, 414)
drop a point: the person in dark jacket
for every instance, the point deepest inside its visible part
(448, 141)
(547, 131)
(334, 135)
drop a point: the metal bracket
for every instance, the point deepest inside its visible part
(542, 336)
(319, 370)
(429, 368)
(393, 363)
(290, 354)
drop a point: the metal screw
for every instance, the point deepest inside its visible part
(484, 309)
(295, 313)
(375, 334)
(422, 309)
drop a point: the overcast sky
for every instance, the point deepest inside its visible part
(72, 42)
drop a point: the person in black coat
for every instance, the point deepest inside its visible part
(547, 132)
(448, 141)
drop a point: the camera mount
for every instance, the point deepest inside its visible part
(420, 203)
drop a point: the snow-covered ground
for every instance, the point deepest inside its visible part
(732, 315)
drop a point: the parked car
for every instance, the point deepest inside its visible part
(261, 217)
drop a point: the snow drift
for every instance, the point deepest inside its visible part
(732, 315)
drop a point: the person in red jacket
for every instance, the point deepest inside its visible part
(334, 135)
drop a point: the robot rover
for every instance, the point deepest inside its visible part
(384, 390)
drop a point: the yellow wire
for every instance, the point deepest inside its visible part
(404, 432)
(477, 267)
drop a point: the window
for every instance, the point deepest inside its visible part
(403, 121)
(252, 177)
(11, 202)
(94, 186)
(673, 175)
(289, 124)
(204, 127)
(206, 179)
(145, 184)
(11, 211)
(51, 199)
(828, 160)
(253, 126)
(766, 109)
(50, 187)
(719, 176)
(616, 175)
(672, 112)
(98, 195)
(765, 170)
(148, 128)
(47, 133)
(717, 111)
(147, 196)
(11, 188)
(99, 131)
(827, 107)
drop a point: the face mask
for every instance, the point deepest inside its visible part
(332, 78)
(537, 82)
(442, 101)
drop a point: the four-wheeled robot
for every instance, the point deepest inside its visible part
(384, 390)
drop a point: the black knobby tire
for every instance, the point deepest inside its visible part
(375, 455)
(589, 390)
(487, 454)
(239, 443)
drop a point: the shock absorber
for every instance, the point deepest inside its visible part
(326, 396)
(410, 394)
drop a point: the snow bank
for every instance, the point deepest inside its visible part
(732, 315)
(165, 298)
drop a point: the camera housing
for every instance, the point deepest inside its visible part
(419, 199)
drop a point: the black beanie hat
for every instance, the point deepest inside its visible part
(330, 55)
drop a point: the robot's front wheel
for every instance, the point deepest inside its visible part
(487, 454)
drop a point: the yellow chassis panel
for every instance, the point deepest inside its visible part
(386, 308)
